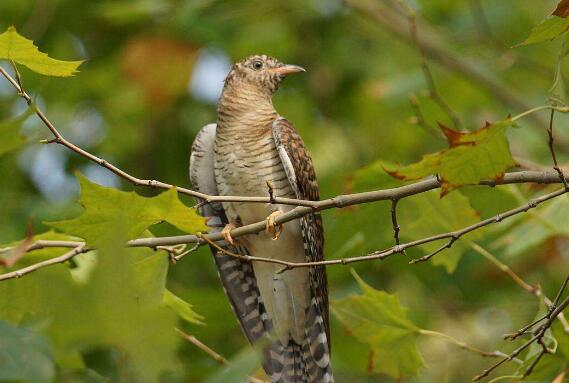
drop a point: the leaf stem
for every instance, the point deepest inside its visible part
(464, 346)
(560, 109)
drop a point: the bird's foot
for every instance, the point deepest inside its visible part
(272, 228)
(226, 232)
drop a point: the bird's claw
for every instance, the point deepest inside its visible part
(272, 228)
(226, 232)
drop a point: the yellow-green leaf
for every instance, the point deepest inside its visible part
(471, 157)
(378, 320)
(17, 48)
(181, 307)
(103, 205)
(548, 30)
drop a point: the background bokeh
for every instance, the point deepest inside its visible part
(153, 72)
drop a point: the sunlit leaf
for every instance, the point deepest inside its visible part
(377, 319)
(182, 308)
(17, 48)
(24, 356)
(103, 205)
(471, 157)
(548, 30)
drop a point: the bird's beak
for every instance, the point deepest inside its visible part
(287, 69)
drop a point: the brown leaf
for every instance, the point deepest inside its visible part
(562, 9)
(18, 252)
(370, 361)
(456, 138)
(394, 174)
(160, 66)
(560, 378)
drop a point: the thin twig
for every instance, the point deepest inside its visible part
(433, 92)
(52, 261)
(214, 355)
(396, 227)
(503, 267)
(552, 150)
(537, 337)
(196, 342)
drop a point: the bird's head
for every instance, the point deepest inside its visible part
(262, 72)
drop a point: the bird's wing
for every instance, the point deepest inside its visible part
(301, 175)
(236, 276)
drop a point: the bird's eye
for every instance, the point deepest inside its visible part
(257, 64)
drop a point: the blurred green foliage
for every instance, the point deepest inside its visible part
(135, 102)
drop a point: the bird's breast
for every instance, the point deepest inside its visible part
(244, 164)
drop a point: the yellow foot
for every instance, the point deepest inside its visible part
(227, 233)
(272, 228)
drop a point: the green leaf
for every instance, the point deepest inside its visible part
(103, 205)
(117, 306)
(377, 319)
(24, 355)
(17, 48)
(182, 308)
(426, 214)
(471, 157)
(548, 30)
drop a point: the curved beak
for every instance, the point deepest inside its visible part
(287, 69)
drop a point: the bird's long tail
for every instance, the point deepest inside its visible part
(308, 362)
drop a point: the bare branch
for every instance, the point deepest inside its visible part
(52, 261)
(377, 255)
(554, 312)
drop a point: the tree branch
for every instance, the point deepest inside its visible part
(300, 211)
(80, 248)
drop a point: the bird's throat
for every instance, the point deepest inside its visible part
(245, 109)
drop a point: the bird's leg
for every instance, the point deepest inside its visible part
(273, 228)
(227, 233)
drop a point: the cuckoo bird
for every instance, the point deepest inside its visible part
(250, 147)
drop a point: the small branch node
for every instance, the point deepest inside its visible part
(271, 192)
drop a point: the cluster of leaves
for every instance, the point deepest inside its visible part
(109, 316)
